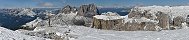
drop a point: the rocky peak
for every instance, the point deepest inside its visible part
(87, 10)
(67, 9)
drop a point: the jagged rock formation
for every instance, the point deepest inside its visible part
(88, 10)
(134, 13)
(177, 21)
(68, 9)
(163, 20)
(165, 16)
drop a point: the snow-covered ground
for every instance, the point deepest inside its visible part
(86, 33)
(6, 34)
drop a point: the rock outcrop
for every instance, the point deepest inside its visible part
(108, 21)
(78, 20)
(132, 24)
(187, 20)
(163, 20)
(177, 21)
(88, 10)
(166, 16)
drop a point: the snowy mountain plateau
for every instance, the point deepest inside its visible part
(71, 25)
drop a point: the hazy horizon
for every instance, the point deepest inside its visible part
(99, 3)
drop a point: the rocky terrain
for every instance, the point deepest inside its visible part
(142, 23)
(87, 10)
(166, 17)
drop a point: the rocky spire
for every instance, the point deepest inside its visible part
(87, 10)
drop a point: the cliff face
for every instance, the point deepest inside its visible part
(88, 10)
(84, 10)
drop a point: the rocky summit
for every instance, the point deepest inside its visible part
(88, 10)
(68, 9)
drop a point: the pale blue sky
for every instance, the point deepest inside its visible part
(102, 3)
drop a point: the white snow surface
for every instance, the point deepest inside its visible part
(173, 11)
(6, 34)
(109, 16)
(33, 23)
(86, 33)
(104, 17)
(110, 13)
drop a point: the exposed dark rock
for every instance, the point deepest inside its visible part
(187, 20)
(45, 35)
(139, 14)
(177, 21)
(134, 13)
(78, 20)
(163, 20)
(150, 26)
(134, 26)
(88, 10)
(137, 26)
